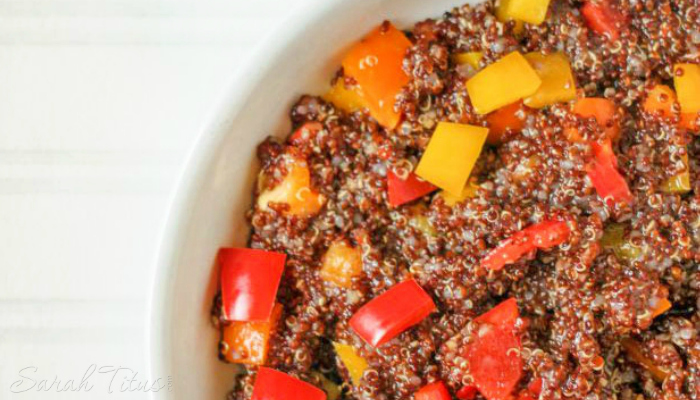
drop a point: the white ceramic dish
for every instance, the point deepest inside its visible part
(214, 191)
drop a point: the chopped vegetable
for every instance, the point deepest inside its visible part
(247, 342)
(494, 355)
(530, 11)
(451, 154)
(355, 364)
(660, 101)
(433, 391)
(686, 79)
(679, 183)
(636, 354)
(602, 18)
(376, 63)
(305, 133)
(603, 110)
(332, 389)
(472, 58)
(294, 190)
(419, 220)
(271, 384)
(614, 239)
(607, 180)
(341, 263)
(543, 235)
(557, 80)
(467, 393)
(392, 312)
(344, 98)
(662, 306)
(504, 82)
(505, 313)
(469, 192)
(249, 281)
(402, 191)
(690, 121)
(505, 121)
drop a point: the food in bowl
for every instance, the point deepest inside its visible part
(500, 203)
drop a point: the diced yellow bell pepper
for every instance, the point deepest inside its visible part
(686, 79)
(502, 83)
(530, 11)
(355, 364)
(471, 58)
(341, 263)
(557, 80)
(679, 183)
(295, 190)
(451, 154)
(468, 193)
(614, 239)
(247, 342)
(347, 99)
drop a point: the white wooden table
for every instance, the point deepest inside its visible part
(99, 102)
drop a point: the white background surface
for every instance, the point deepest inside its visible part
(100, 100)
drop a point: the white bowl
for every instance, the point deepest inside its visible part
(215, 188)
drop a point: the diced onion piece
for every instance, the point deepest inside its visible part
(347, 99)
(247, 342)
(401, 191)
(271, 384)
(472, 58)
(451, 154)
(686, 79)
(341, 263)
(392, 312)
(376, 63)
(294, 190)
(504, 82)
(249, 283)
(355, 364)
(603, 110)
(530, 11)
(679, 183)
(434, 391)
(558, 84)
(614, 239)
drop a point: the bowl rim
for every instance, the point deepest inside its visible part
(193, 170)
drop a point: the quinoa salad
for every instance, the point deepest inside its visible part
(501, 203)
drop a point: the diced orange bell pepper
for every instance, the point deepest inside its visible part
(558, 84)
(504, 82)
(530, 11)
(686, 79)
(690, 121)
(451, 154)
(635, 353)
(355, 364)
(247, 342)
(376, 63)
(347, 99)
(294, 190)
(603, 18)
(472, 58)
(660, 101)
(341, 263)
(504, 121)
(603, 110)
(662, 306)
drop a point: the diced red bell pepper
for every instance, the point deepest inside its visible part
(271, 384)
(535, 387)
(402, 191)
(305, 133)
(494, 356)
(392, 312)
(433, 391)
(543, 235)
(603, 18)
(607, 180)
(249, 282)
(505, 313)
(467, 393)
